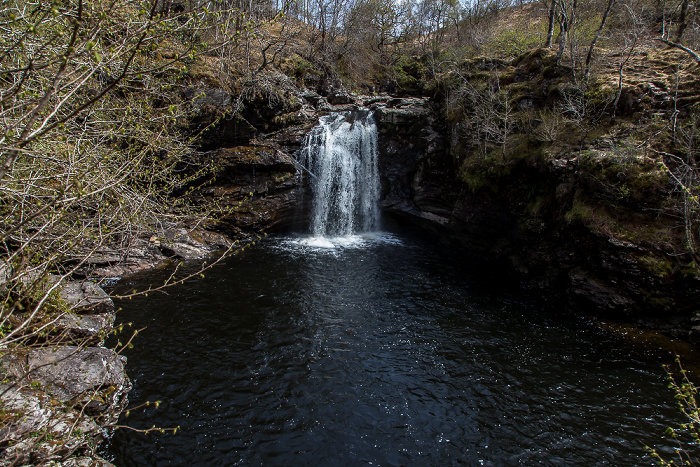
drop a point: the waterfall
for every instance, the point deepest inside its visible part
(341, 154)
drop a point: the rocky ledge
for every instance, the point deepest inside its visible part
(152, 249)
(58, 399)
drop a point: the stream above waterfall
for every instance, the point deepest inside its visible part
(382, 349)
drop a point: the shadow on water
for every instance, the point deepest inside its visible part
(381, 348)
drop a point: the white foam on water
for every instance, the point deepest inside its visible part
(336, 245)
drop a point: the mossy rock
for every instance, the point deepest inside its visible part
(535, 61)
(410, 73)
(657, 265)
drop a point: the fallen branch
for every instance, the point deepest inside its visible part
(690, 52)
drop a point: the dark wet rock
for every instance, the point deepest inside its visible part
(92, 377)
(340, 98)
(220, 129)
(598, 294)
(415, 173)
(255, 187)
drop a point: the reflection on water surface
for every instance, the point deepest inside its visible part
(378, 349)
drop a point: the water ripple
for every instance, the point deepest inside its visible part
(381, 350)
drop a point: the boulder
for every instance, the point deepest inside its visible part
(86, 297)
(56, 401)
(93, 377)
(37, 429)
(213, 240)
(179, 244)
(140, 254)
(312, 97)
(339, 98)
(85, 329)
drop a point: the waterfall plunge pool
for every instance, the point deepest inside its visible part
(375, 349)
(378, 349)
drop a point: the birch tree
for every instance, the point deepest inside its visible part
(89, 139)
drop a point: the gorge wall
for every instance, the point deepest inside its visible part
(526, 218)
(529, 211)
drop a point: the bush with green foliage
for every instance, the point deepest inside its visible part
(687, 433)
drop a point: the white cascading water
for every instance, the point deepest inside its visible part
(341, 155)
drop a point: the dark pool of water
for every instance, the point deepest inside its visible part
(386, 350)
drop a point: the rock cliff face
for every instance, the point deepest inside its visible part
(254, 187)
(509, 226)
(251, 181)
(523, 218)
(416, 177)
(254, 183)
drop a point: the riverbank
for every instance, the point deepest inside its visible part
(62, 390)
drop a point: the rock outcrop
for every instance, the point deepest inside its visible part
(90, 378)
(58, 398)
(519, 214)
(41, 430)
(86, 297)
(524, 219)
(145, 253)
(254, 182)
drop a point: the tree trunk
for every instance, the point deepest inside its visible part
(550, 28)
(683, 21)
(685, 49)
(563, 33)
(595, 39)
(572, 50)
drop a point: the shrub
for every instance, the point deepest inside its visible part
(687, 433)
